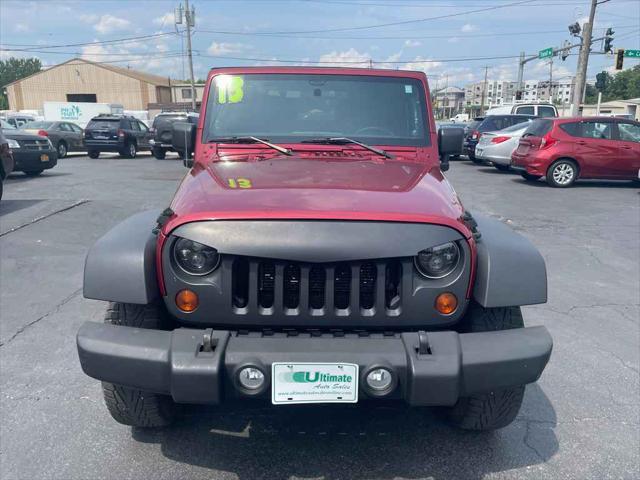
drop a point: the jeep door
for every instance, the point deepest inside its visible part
(145, 135)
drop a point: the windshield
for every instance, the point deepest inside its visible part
(293, 108)
(43, 125)
(516, 127)
(8, 126)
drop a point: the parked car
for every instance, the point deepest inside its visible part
(6, 161)
(32, 154)
(317, 256)
(490, 124)
(460, 117)
(162, 131)
(17, 120)
(535, 109)
(65, 136)
(567, 149)
(497, 147)
(116, 133)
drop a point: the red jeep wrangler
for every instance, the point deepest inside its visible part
(315, 253)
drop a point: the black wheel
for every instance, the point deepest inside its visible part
(562, 173)
(62, 149)
(498, 408)
(502, 168)
(33, 173)
(530, 178)
(159, 153)
(131, 406)
(94, 154)
(1, 188)
(129, 151)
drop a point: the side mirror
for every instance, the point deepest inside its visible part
(449, 143)
(183, 140)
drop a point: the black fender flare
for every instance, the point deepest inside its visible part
(510, 271)
(121, 265)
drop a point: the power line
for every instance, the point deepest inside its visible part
(97, 42)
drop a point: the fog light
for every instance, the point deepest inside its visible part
(186, 300)
(379, 379)
(251, 378)
(446, 303)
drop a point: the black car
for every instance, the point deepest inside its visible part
(116, 133)
(32, 154)
(489, 124)
(162, 131)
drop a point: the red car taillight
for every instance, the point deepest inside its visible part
(43, 133)
(499, 139)
(121, 133)
(547, 141)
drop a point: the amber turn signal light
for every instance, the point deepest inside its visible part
(446, 303)
(186, 300)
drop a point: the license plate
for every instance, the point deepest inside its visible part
(44, 158)
(314, 383)
(478, 151)
(100, 137)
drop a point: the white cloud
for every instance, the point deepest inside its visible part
(166, 19)
(453, 40)
(89, 18)
(412, 43)
(348, 58)
(467, 27)
(224, 48)
(109, 23)
(423, 64)
(21, 28)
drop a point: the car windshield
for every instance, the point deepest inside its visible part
(6, 125)
(41, 125)
(516, 127)
(293, 108)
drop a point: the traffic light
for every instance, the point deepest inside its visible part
(608, 41)
(574, 29)
(519, 95)
(619, 58)
(601, 79)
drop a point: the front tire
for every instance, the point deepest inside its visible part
(497, 408)
(33, 173)
(562, 173)
(130, 150)
(94, 154)
(159, 153)
(131, 406)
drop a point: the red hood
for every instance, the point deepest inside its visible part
(343, 186)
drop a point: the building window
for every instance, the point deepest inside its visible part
(186, 93)
(82, 97)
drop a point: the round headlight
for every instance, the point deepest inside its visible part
(438, 262)
(195, 258)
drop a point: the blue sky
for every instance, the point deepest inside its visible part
(230, 30)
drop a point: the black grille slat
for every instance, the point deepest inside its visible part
(266, 284)
(342, 286)
(240, 282)
(291, 286)
(317, 280)
(393, 285)
(367, 276)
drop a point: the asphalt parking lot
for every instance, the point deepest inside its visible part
(580, 421)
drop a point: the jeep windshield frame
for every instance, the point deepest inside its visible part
(292, 108)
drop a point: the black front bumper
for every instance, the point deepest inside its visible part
(31, 160)
(201, 366)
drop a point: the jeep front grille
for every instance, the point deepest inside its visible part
(364, 288)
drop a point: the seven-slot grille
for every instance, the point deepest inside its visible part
(34, 144)
(364, 288)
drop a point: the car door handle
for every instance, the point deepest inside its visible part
(626, 147)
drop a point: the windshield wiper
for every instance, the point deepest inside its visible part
(345, 140)
(284, 151)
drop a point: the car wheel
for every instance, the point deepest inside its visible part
(131, 406)
(497, 408)
(94, 154)
(529, 177)
(562, 173)
(33, 173)
(1, 188)
(159, 153)
(62, 149)
(502, 168)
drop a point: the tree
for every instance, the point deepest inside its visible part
(621, 86)
(14, 69)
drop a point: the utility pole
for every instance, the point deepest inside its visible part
(551, 80)
(484, 91)
(520, 75)
(583, 62)
(190, 21)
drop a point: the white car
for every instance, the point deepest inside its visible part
(496, 147)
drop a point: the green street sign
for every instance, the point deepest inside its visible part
(632, 53)
(546, 53)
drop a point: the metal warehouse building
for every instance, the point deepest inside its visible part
(79, 80)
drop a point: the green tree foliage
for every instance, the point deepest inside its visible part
(14, 69)
(621, 86)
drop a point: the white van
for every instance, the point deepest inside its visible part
(537, 109)
(460, 117)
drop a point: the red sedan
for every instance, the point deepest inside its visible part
(566, 149)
